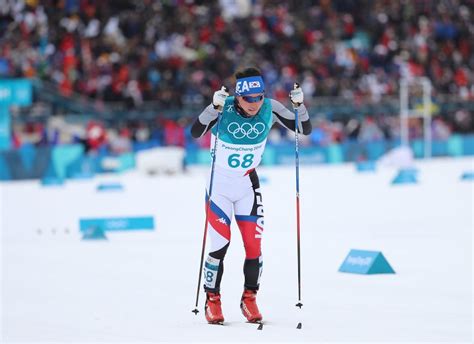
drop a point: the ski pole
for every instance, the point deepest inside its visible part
(297, 164)
(208, 206)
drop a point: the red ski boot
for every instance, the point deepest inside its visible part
(213, 308)
(249, 307)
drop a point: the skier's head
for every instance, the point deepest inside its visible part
(249, 91)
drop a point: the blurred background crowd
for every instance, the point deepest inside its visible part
(175, 54)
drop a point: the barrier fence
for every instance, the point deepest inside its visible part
(70, 161)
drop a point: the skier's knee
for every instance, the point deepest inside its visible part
(252, 251)
(220, 254)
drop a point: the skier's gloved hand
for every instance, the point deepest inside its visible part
(296, 95)
(218, 100)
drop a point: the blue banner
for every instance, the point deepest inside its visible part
(366, 262)
(5, 134)
(118, 223)
(15, 92)
(12, 92)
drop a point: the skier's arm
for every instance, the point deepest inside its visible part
(208, 117)
(287, 118)
(204, 122)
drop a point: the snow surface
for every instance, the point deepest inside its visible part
(140, 286)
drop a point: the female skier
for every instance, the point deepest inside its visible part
(244, 125)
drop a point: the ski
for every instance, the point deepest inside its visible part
(259, 323)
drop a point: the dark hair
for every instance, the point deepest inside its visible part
(250, 71)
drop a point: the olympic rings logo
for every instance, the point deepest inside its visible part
(246, 130)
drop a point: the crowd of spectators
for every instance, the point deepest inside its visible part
(178, 52)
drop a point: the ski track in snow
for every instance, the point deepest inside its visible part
(140, 286)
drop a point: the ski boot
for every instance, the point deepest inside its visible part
(213, 308)
(248, 305)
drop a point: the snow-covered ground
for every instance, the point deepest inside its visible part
(140, 286)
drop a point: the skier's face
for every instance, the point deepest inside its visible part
(251, 103)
